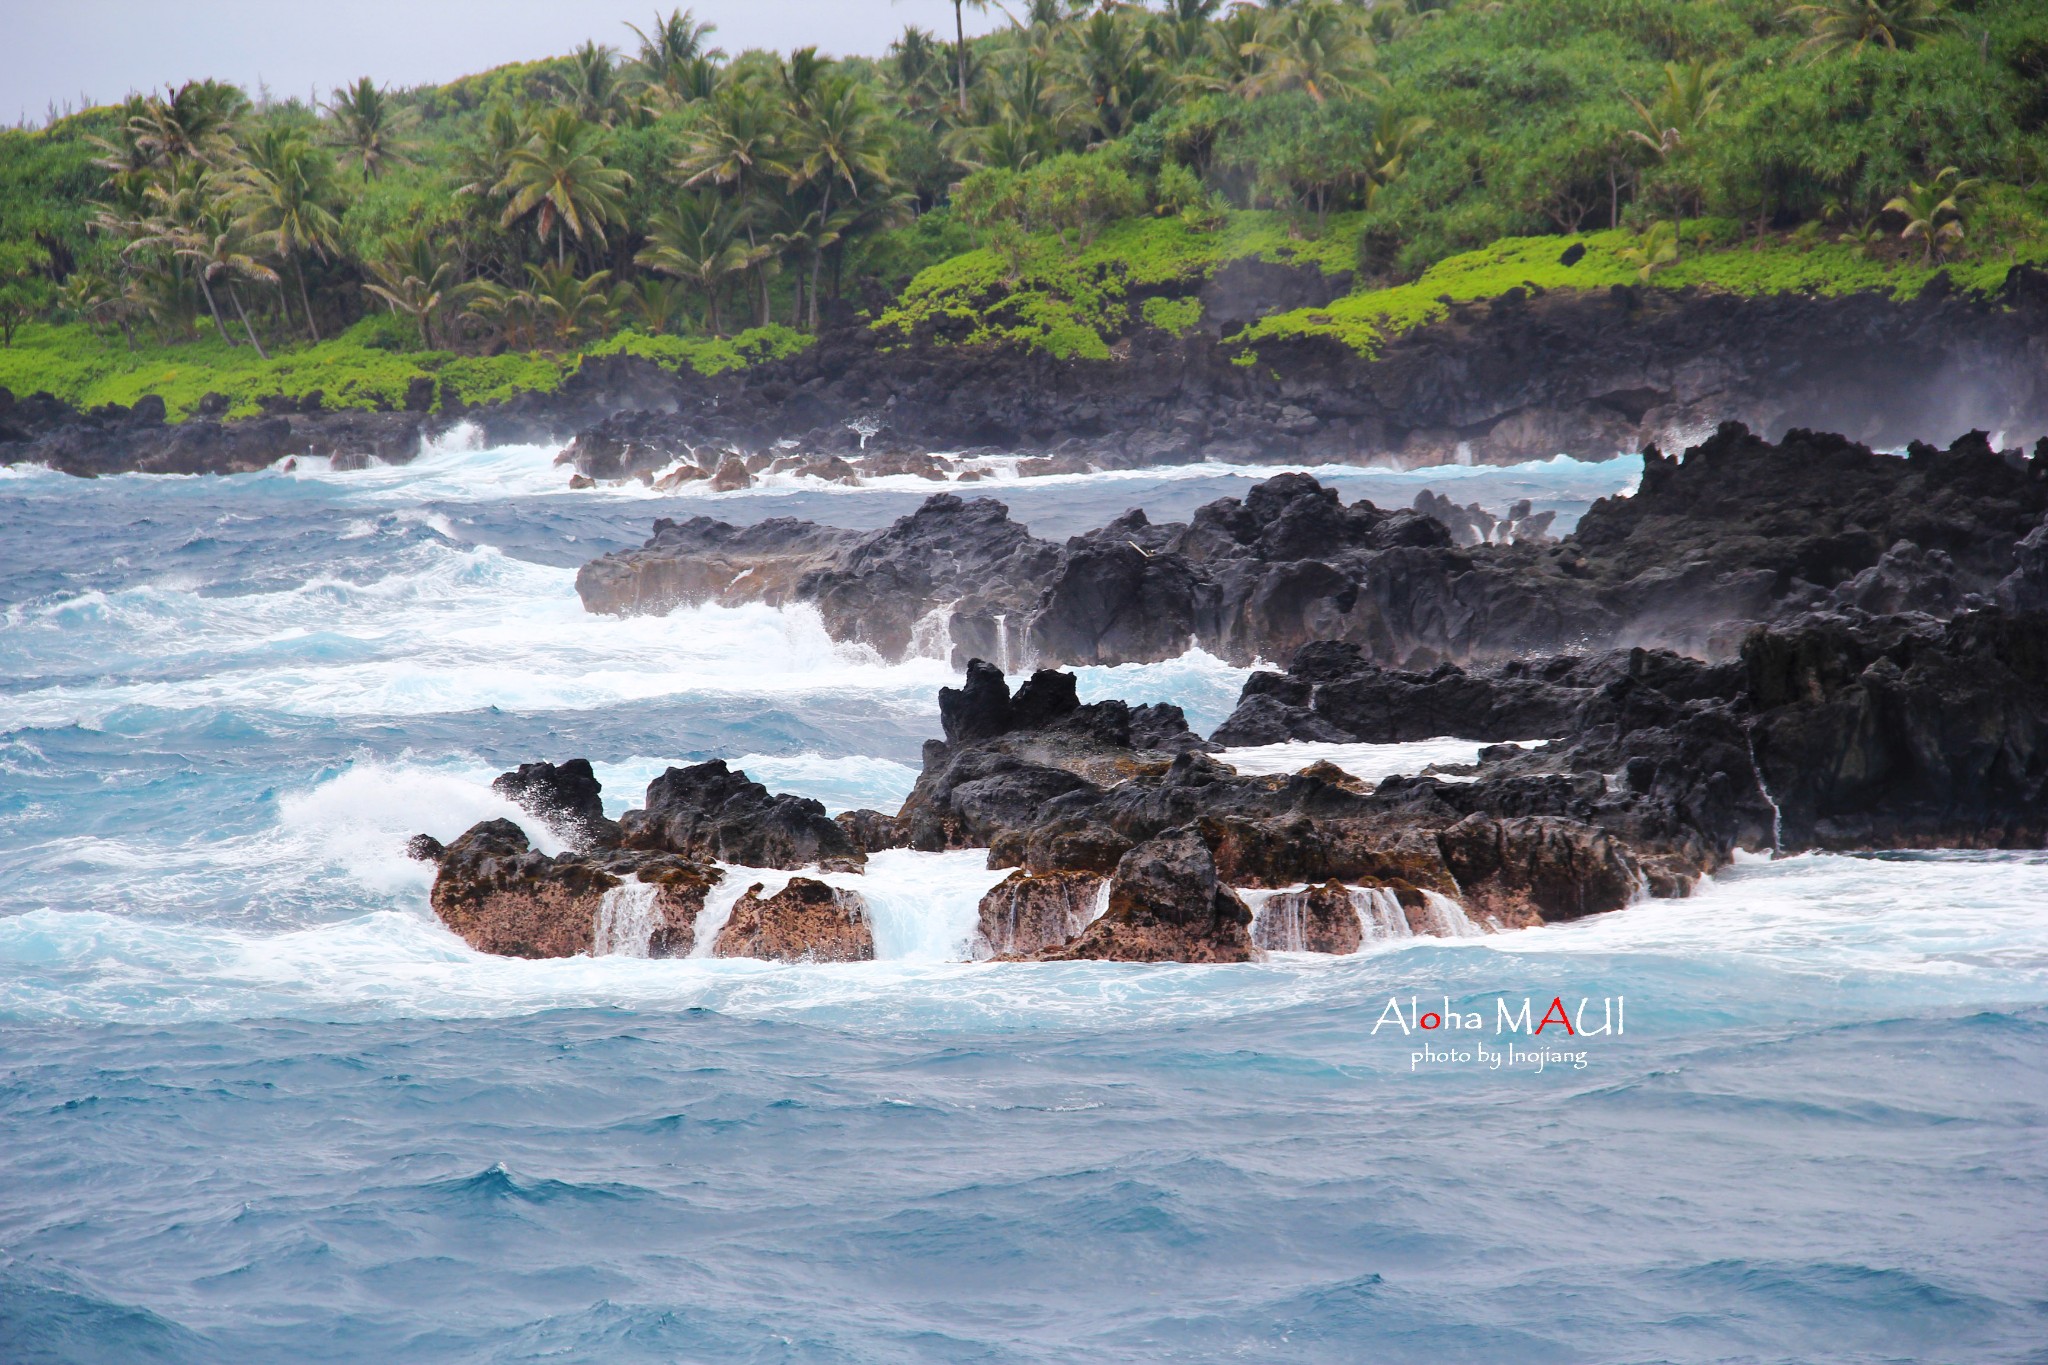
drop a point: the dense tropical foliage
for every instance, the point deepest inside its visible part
(1021, 184)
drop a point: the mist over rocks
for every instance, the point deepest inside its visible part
(1737, 532)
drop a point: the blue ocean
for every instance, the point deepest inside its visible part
(256, 1104)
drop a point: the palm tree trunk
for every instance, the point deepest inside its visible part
(235, 295)
(306, 300)
(960, 53)
(818, 252)
(214, 309)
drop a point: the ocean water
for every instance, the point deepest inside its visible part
(255, 1104)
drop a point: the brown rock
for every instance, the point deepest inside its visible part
(1320, 919)
(732, 474)
(1538, 869)
(1165, 905)
(503, 897)
(1025, 914)
(870, 831)
(680, 475)
(806, 921)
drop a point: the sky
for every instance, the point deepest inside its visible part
(70, 51)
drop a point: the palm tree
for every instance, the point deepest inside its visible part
(570, 305)
(216, 249)
(593, 86)
(1111, 71)
(1674, 122)
(283, 188)
(1851, 25)
(1934, 211)
(1180, 35)
(1314, 47)
(414, 279)
(651, 303)
(1236, 57)
(558, 175)
(737, 147)
(916, 68)
(1681, 108)
(513, 311)
(673, 57)
(960, 44)
(700, 242)
(194, 123)
(484, 161)
(1031, 120)
(840, 141)
(366, 127)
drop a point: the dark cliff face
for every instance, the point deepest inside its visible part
(1737, 532)
(1519, 377)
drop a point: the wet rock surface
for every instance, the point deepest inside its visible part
(1025, 914)
(1836, 730)
(806, 921)
(505, 897)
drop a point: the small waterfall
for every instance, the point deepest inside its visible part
(1101, 906)
(626, 920)
(932, 636)
(1003, 641)
(1280, 922)
(1764, 790)
(864, 427)
(1380, 916)
(1447, 918)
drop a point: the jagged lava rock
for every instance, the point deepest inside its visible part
(566, 797)
(709, 811)
(503, 896)
(806, 921)
(1166, 905)
(1025, 913)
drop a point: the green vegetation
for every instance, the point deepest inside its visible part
(1701, 259)
(358, 369)
(1057, 184)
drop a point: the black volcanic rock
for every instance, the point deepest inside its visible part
(1904, 733)
(1739, 532)
(710, 811)
(567, 797)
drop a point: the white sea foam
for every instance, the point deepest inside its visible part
(1855, 928)
(1367, 762)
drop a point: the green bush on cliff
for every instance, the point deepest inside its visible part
(708, 355)
(88, 369)
(1366, 319)
(1028, 289)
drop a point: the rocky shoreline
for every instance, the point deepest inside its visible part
(1523, 376)
(1736, 533)
(1134, 839)
(1767, 647)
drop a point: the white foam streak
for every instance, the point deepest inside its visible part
(627, 917)
(1367, 762)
